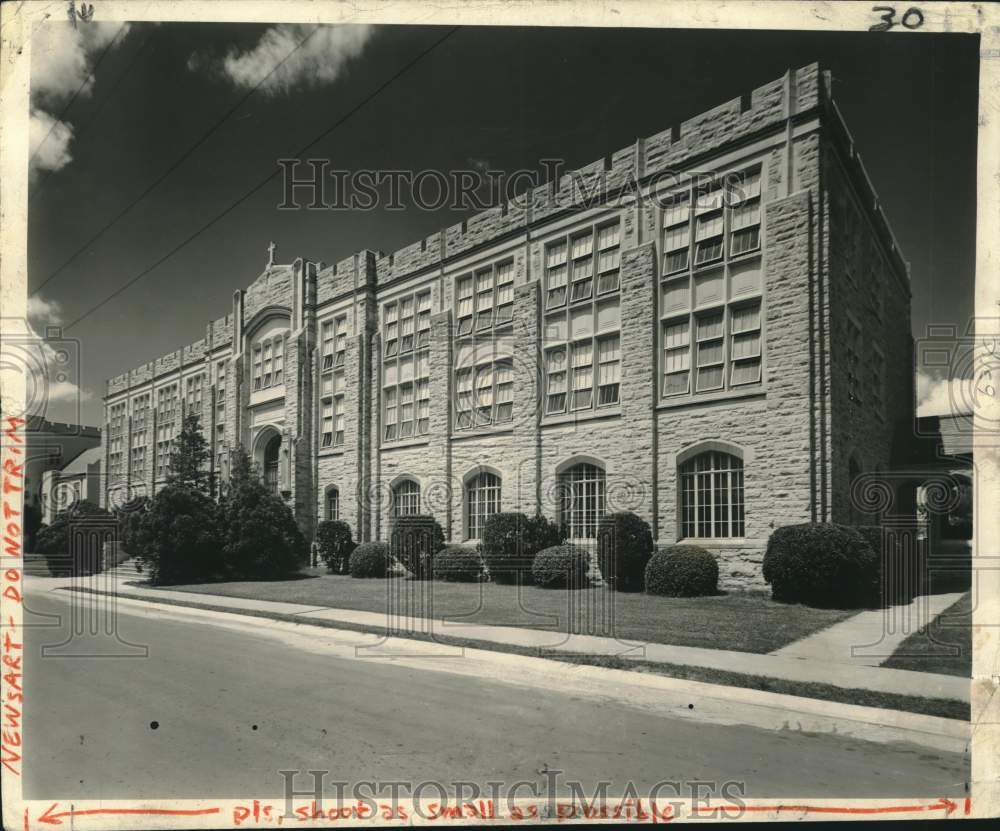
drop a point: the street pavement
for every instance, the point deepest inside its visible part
(217, 709)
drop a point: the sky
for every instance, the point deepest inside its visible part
(166, 117)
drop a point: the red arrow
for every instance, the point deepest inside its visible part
(943, 804)
(54, 818)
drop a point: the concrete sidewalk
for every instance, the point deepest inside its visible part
(819, 667)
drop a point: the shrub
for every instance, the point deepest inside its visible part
(511, 541)
(682, 571)
(624, 546)
(561, 567)
(823, 565)
(54, 541)
(183, 540)
(130, 526)
(260, 538)
(413, 541)
(370, 559)
(335, 545)
(457, 564)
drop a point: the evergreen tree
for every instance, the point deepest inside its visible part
(260, 536)
(189, 459)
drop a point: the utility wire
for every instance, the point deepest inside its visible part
(79, 89)
(184, 156)
(37, 189)
(265, 180)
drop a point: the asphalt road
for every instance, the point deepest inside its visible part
(216, 711)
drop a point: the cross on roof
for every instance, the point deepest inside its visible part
(270, 252)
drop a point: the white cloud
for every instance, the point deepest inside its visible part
(319, 60)
(42, 312)
(944, 396)
(67, 391)
(63, 55)
(49, 141)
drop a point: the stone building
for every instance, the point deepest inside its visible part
(720, 343)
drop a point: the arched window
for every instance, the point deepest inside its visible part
(271, 464)
(712, 496)
(581, 498)
(332, 503)
(482, 500)
(406, 498)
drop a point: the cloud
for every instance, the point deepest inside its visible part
(67, 391)
(42, 312)
(49, 141)
(63, 55)
(320, 59)
(62, 58)
(944, 396)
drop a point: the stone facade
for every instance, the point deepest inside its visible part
(825, 406)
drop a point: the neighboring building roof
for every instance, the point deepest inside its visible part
(80, 463)
(943, 436)
(37, 424)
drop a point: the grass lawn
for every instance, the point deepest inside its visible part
(930, 651)
(742, 622)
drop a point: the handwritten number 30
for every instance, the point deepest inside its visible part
(912, 19)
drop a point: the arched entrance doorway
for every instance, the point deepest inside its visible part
(271, 451)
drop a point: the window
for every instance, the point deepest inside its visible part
(166, 405)
(583, 372)
(571, 262)
(333, 381)
(268, 362)
(332, 503)
(220, 388)
(485, 298)
(140, 424)
(406, 367)
(712, 496)
(116, 456)
(484, 385)
(193, 397)
(853, 362)
(676, 357)
(482, 500)
(137, 463)
(708, 225)
(878, 376)
(581, 498)
(744, 228)
(406, 498)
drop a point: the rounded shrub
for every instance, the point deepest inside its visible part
(370, 559)
(335, 544)
(682, 571)
(823, 565)
(413, 541)
(510, 542)
(55, 541)
(624, 546)
(456, 564)
(561, 567)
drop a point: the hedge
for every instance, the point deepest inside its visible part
(682, 571)
(53, 541)
(823, 565)
(624, 546)
(413, 541)
(457, 564)
(370, 559)
(335, 543)
(510, 542)
(562, 567)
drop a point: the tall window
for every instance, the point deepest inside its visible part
(712, 496)
(220, 412)
(406, 367)
(333, 382)
(271, 451)
(193, 397)
(406, 498)
(710, 331)
(166, 405)
(116, 440)
(482, 500)
(332, 503)
(140, 426)
(853, 362)
(581, 497)
(583, 369)
(485, 298)
(269, 362)
(484, 385)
